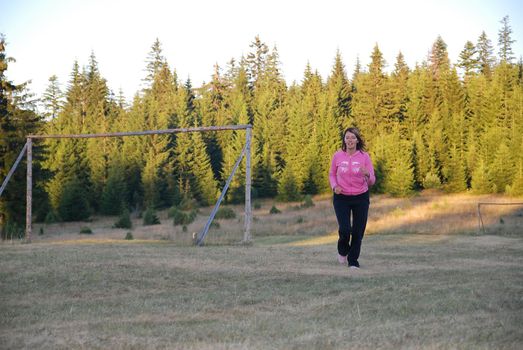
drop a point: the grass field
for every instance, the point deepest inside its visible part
(428, 280)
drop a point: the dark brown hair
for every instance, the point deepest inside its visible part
(360, 146)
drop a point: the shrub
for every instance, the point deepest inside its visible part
(51, 217)
(225, 213)
(150, 218)
(215, 224)
(41, 231)
(86, 230)
(307, 202)
(124, 221)
(431, 180)
(299, 220)
(12, 230)
(129, 236)
(257, 205)
(187, 203)
(183, 218)
(274, 210)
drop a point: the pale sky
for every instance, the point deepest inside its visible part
(47, 36)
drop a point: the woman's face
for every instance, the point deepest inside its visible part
(350, 140)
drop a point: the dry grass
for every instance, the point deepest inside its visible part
(428, 213)
(418, 288)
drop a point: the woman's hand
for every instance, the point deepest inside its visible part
(364, 171)
(337, 189)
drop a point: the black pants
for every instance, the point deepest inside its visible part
(351, 233)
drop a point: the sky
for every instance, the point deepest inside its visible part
(46, 37)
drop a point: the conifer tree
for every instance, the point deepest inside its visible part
(502, 168)
(398, 172)
(17, 119)
(468, 60)
(399, 90)
(481, 181)
(372, 101)
(456, 180)
(338, 91)
(205, 191)
(52, 99)
(238, 109)
(505, 41)
(485, 57)
(268, 117)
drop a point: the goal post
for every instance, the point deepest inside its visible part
(246, 152)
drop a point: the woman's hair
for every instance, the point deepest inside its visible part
(360, 146)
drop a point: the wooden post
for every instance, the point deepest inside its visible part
(29, 193)
(248, 211)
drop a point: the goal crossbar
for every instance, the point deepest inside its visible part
(246, 152)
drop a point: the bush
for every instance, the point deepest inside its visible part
(86, 230)
(274, 210)
(307, 202)
(124, 221)
(12, 230)
(182, 217)
(187, 203)
(257, 205)
(215, 224)
(51, 217)
(150, 218)
(129, 236)
(225, 213)
(431, 181)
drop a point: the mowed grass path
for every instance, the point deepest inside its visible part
(414, 291)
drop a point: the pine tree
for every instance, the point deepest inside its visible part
(505, 41)
(238, 109)
(338, 90)
(205, 191)
(398, 171)
(114, 197)
(485, 57)
(371, 105)
(456, 180)
(52, 99)
(399, 91)
(17, 119)
(502, 168)
(481, 181)
(269, 119)
(163, 105)
(468, 60)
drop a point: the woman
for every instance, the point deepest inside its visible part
(351, 173)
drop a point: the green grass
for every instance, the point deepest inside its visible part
(414, 291)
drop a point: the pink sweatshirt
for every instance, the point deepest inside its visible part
(345, 172)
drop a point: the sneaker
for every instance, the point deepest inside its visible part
(352, 267)
(342, 259)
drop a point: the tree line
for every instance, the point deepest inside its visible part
(452, 126)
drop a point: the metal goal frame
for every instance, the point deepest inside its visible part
(246, 152)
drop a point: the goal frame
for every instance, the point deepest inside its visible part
(481, 226)
(246, 152)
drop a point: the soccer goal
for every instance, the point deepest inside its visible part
(246, 152)
(500, 218)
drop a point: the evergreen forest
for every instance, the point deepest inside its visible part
(453, 126)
